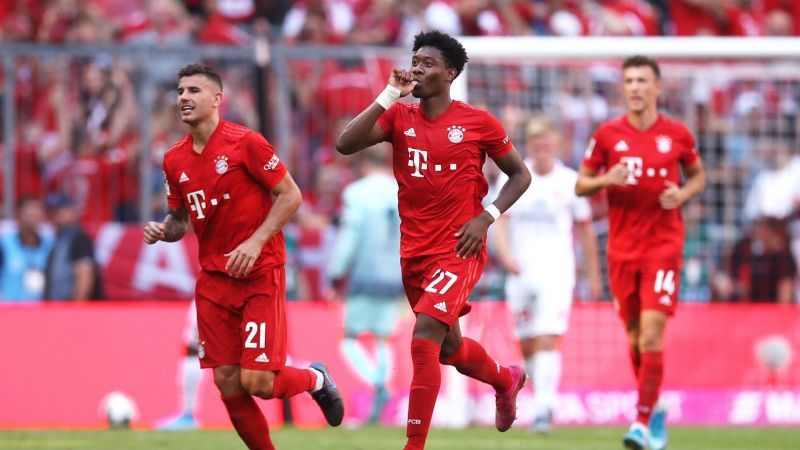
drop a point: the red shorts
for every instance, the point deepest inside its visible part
(644, 285)
(439, 285)
(242, 322)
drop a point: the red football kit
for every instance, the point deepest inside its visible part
(226, 190)
(645, 243)
(438, 165)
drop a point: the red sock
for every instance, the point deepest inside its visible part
(248, 421)
(636, 361)
(472, 360)
(424, 389)
(290, 381)
(650, 375)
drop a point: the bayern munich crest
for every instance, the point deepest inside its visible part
(663, 144)
(455, 134)
(221, 164)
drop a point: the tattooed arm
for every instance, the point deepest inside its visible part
(171, 229)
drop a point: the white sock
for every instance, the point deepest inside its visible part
(190, 380)
(546, 378)
(320, 379)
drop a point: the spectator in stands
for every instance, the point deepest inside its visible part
(16, 21)
(318, 22)
(71, 272)
(761, 267)
(377, 23)
(776, 189)
(425, 15)
(782, 17)
(23, 254)
(712, 17)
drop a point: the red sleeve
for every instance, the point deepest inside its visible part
(689, 149)
(174, 198)
(386, 121)
(261, 161)
(595, 155)
(496, 141)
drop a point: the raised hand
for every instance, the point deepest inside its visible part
(402, 79)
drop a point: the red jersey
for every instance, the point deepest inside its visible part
(640, 229)
(226, 190)
(438, 165)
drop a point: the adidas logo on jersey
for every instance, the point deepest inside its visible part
(410, 132)
(441, 306)
(183, 178)
(665, 300)
(262, 358)
(621, 146)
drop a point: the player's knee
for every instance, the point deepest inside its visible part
(226, 379)
(259, 386)
(650, 342)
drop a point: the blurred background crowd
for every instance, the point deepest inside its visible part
(78, 118)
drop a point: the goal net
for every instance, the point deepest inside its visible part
(738, 96)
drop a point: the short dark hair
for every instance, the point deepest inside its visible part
(200, 69)
(639, 61)
(453, 53)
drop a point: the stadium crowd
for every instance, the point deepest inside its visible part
(78, 131)
(383, 22)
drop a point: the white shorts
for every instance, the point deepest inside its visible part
(539, 309)
(191, 337)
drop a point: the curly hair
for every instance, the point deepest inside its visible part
(453, 53)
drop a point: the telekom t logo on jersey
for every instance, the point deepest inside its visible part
(418, 159)
(634, 165)
(197, 202)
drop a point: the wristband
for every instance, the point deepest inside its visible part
(493, 211)
(388, 97)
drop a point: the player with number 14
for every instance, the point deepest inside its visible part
(643, 152)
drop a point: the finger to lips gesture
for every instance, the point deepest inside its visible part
(404, 80)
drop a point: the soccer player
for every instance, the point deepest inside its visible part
(439, 146)
(365, 259)
(229, 182)
(535, 245)
(642, 153)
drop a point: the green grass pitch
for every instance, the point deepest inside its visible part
(374, 438)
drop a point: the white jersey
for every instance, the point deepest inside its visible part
(540, 225)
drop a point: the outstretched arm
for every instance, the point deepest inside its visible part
(364, 131)
(473, 233)
(287, 199)
(171, 229)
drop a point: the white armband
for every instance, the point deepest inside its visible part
(493, 211)
(388, 97)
